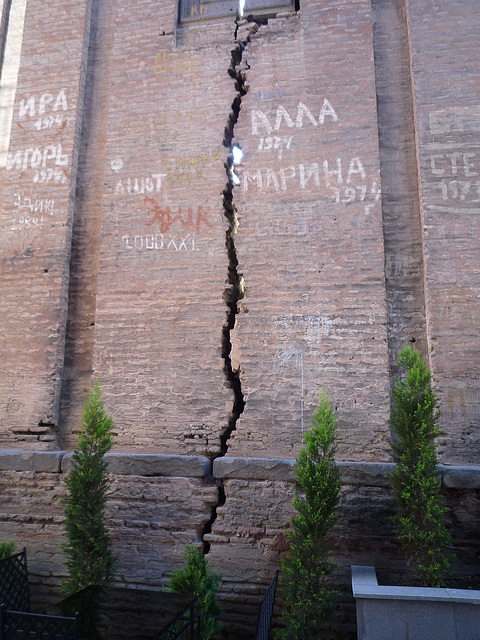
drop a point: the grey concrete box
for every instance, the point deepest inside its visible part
(413, 613)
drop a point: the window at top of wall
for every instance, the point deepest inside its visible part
(194, 10)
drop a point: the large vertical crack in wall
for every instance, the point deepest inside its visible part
(233, 292)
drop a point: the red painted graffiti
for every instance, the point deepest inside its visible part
(192, 220)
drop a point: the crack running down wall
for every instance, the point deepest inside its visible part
(213, 312)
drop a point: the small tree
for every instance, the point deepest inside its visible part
(308, 598)
(420, 521)
(7, 549)
(89, 548)
(196, 579)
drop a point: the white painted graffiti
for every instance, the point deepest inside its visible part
(37, 159)
(288, 228)
(357, 193)
(312, 327)
(455, 163)
(27, 222)
(34, 205)
(276, 144)
(290, 355)
(460, 190)
(454, 173)
(39, 210)
(49, 122)
(306, 176)
(261, 122)
(158, 241)
(38, 106)
(142, 185)
(47, 175)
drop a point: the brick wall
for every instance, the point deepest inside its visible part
(214, 314)
(158, 503)
(336, 228)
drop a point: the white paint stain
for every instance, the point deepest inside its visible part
(116, 164)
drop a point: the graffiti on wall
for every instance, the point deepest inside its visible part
(161, 129)
(46, 163)
(298, 332)
(158, 242)
(173, 62)
(174, 170)
(453, 170)
(269, 94)
(340, 180)
(31, 212)
(263, 124)
(457, 173)
(46, 111)
(182, 224)
(140, 185)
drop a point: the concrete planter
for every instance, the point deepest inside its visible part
(413, 613)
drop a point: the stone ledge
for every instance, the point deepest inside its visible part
(372, 474)
(40, 461)
(369, 474)
(461, 477)
(151, 464)
(254, 468)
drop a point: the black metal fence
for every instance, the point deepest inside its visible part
(14, 591)
(20, 625)
(264, 615)
(265, 611)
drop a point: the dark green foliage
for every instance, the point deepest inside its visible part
(7, 549)
(308, 598)
(420, 521)
(89, 549)
(197, 580)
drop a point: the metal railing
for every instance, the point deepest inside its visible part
(14, 590)
(265, 611)
(20, 625)
(264, 615)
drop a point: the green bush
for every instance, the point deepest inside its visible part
(89, 549)
(308, 598)
(420, 521)
(7, 549)
(197, 580)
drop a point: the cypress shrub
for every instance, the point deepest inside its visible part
(308, 597)
(197, 580)
(7, 549)
(420, 521)
(89, 549)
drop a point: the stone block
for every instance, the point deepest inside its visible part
(460, 477)
(144, 464)
(254, 468)
(40, 461)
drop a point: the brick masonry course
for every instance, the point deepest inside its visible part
(159, 503)
(355, 230)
